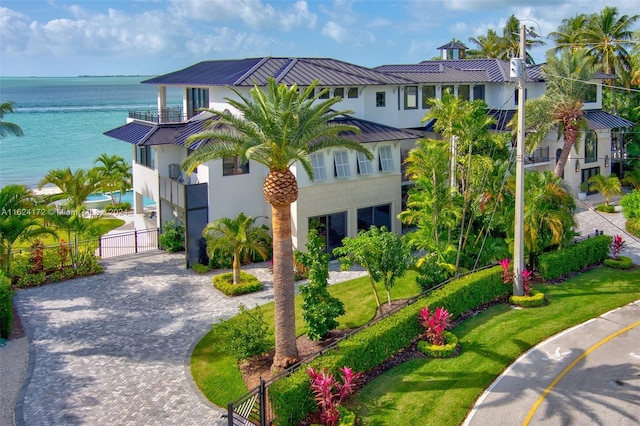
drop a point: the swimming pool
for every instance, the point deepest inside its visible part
(100, 200)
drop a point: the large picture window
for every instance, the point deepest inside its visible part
(197, 98)
(233, 166)
(376, 215)
(428, 92)
(591, 147)
(411, 97)
(145, 156)
(332, 228)
(386, 159)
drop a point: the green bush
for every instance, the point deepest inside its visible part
(440, 351)
(172, 237)
(6, 306)
(633, 227)
(117, 208)
(88, 265)
(623, 262)
(248, 284)
(536, 300)
(347, 418)
(246, 335)
(574, 257)
(221, 259)
(431, 272)
(631, 205)
(291, 397)
(606, 209)
(55, 276)
(31, 280)
(199, 268)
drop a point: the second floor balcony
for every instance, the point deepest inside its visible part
(540, 155)
(164, 115)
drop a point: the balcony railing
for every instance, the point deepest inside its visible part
(164, 115)
(540, 155)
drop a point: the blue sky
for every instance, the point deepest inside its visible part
(150, 37)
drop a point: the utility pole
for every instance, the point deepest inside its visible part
(518, 249)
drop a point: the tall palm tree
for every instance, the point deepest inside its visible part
(561, 104)
(511, 41)
(75, 186)
(114, 175)
(605, 185)
(487, 46)
(239, 234)
(570, 33)
(18, 220)
(279, 126)
(7, 128)
(607, 38)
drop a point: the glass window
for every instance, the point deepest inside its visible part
(197, 98)
(233, 166)
(591, 147)
(478, 91)
(463, 92)
(352, 93)
(591, 93)
(428, 92)
(341, 163)
(324, 94)
(317, 162)
(386, 159)
(448, 87)
(338, 91)
(411, 97)
(376, 215)
(381, 99)
(364, 165)
(332, 229)
(145, 156)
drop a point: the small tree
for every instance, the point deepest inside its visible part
(241, 235)
(381, 252)
(319, 308)
(607, 186)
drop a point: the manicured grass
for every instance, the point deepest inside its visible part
(441, 391)
(216, 373)
(103, 226)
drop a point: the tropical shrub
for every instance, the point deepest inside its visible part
(36, 257)
(633, 227)
(622, 262)
(536, 299)
(446, 349)
(631, 205)
(221, 259)
(319, 308)
(617, 245)
(329, 392)
(574, 257)
(435, 323)
(291, 398)
(172, 237)
(6, 306)
(604, 208)
(432, 272)
(199, 268)
(248, 284)
(30, 280)
(246, 335)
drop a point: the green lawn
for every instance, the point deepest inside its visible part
(441, 391)
(215, 371)
(104, 225)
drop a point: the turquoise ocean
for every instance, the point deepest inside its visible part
(64, 118)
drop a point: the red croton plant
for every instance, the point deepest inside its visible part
(507, 276)
(329, 393)
(435, 322)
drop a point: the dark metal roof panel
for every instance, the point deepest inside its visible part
(208, 73)
(502, 117)
(603, 120)
(133, 132)
(373, 132)
(192, 128)
(163, 135)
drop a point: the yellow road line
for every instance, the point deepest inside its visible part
(569, 367)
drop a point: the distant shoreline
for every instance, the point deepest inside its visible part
(115, 75)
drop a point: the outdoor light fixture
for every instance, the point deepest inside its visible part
(577, 166)
(606, 161)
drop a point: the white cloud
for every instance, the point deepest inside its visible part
(335, 31)
(253, 13)
(226, 40)
(12, 26)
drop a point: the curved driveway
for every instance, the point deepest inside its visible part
(114, 348)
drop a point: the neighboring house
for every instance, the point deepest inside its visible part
(348, 193)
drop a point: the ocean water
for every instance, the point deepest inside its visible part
(64, 118)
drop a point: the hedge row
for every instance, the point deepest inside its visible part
(633, 227)
(291, 397)
(572, 258)
(6, 307)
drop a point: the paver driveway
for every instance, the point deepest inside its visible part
(113, 349)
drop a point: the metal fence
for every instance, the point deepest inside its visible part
(127, 243)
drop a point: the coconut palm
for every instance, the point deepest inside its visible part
(487, 46)
(561, 104)
(18, 220)
(570, 33)
(241, 235)
(7, 128)
(75, 186)
(607, 38)
(114, 175)
(279, 126)
(632, 178)
(607, 186)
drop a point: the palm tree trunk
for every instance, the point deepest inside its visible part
(569, 141)
(236, 269)
(283, 289)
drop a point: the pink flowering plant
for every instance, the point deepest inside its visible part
(507, 275)
(526, 282)
(329, 392)
(435, 322)
(617, 245)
